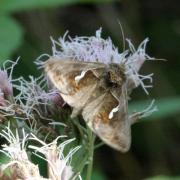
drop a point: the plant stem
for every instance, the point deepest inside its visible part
(91, 154)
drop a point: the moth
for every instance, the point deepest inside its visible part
(99, 92)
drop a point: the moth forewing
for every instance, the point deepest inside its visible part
(82, 85)
(64, 73)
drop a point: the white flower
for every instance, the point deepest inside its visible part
(58, 165)
(19, 163)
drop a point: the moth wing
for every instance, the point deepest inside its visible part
(63, 73)
(114, 131)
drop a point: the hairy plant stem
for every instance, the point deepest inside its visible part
(92, 137)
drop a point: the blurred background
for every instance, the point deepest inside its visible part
(25, 30)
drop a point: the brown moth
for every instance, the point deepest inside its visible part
(100, 93)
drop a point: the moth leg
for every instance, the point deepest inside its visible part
(75, 112)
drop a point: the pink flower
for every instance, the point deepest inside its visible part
(2, 100)
(97, 49)
(56, 98)
(5, 84)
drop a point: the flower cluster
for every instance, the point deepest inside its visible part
(97, 49)
(31, 99)
(35, 107)
(21, 167)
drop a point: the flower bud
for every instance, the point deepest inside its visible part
(5, 84)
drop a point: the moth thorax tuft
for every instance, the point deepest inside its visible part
(115, 74)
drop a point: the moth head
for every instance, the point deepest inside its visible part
(116, 74)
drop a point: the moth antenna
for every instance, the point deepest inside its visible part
(123, 36)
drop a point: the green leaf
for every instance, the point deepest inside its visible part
(17, 5)
(10, 37)
(166, 107)
(163, 178)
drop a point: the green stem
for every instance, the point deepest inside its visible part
(91, 154)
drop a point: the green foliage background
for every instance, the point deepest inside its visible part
(25, 28)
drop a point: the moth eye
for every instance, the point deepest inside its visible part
(109, 75)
